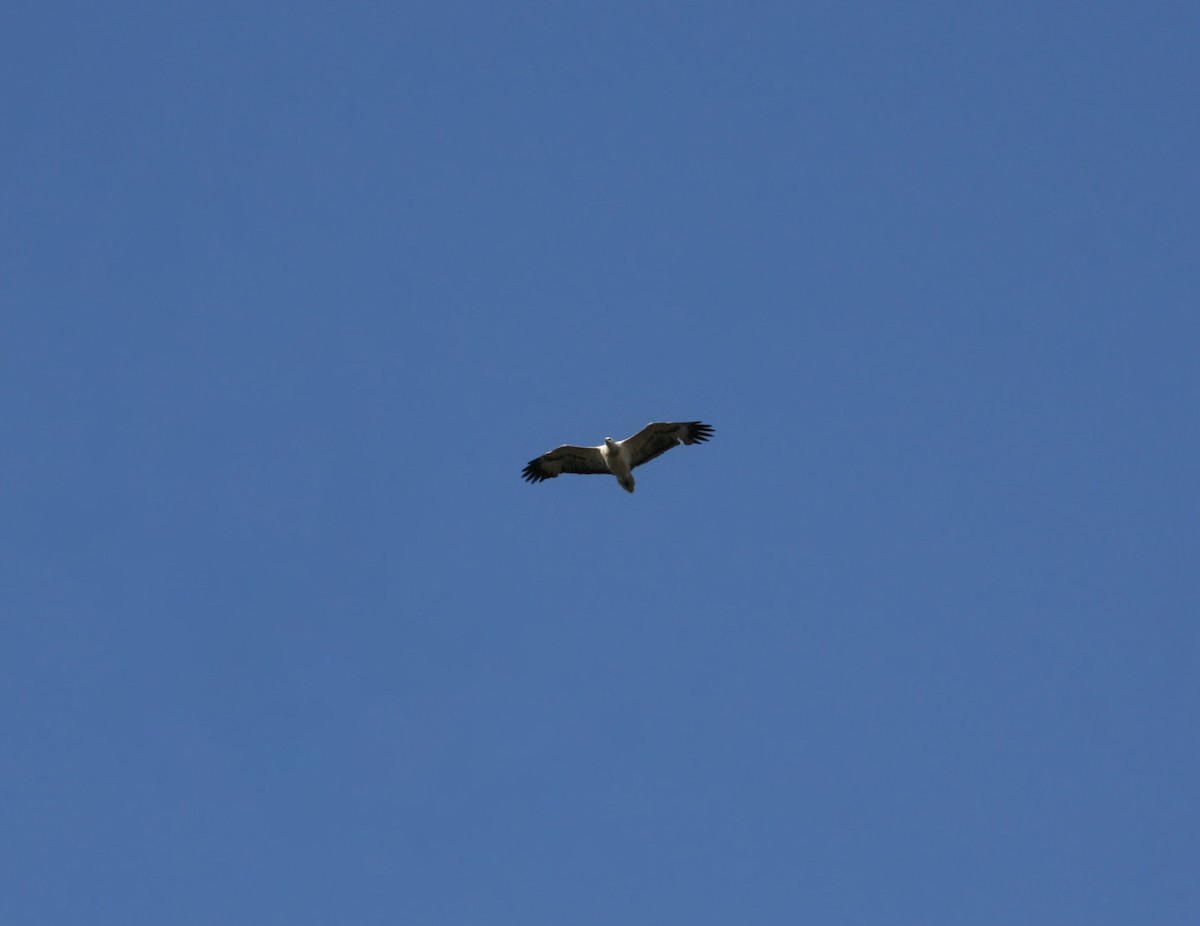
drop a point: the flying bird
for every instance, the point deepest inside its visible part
(618, 457)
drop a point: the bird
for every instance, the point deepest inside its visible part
(617, 457)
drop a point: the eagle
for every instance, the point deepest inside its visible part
(618, 457)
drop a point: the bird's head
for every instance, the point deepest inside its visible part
(609, 443)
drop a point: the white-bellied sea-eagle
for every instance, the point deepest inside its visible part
(618, 457)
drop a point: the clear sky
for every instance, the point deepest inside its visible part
(290, 292)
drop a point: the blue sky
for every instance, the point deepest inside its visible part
(291, 292)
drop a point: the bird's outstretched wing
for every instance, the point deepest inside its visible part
(565, 459)
(661, 436)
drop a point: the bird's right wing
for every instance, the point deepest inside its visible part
(565, 459)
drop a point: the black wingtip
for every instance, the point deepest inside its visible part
(532, 473)
(698, 432)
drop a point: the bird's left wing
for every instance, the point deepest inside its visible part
(661, 436)
(565, 459)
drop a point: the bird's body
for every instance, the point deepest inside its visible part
(618, 457)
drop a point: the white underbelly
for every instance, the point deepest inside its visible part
(617, 465)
